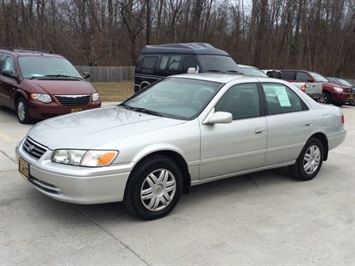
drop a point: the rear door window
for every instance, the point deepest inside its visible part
(281, 99)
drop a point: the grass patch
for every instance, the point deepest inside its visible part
(114, 91)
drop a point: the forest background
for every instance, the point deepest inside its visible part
(316, 35)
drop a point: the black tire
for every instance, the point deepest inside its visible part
(153, 188)
(309, 162)
(327, 98)
(23, 115)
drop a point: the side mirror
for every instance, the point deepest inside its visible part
(86, 75)
(191, 70)
(219, 118)
(9, 74)
(309, 80)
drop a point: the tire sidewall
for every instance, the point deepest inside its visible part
(27, 118)
(136, 179)
(300, 173)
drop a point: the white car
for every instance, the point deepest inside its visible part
(182, 131)
(252, 71)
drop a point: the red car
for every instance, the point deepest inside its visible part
(334, 93)
(39, 85)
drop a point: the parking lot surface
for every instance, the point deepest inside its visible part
(265, 218)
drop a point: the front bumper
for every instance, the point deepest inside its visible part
(41, 111)
(342, 98)
(74, 184)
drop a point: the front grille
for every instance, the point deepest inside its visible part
(33, 148)
(73, 100)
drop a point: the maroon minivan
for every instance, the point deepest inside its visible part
(39, 85)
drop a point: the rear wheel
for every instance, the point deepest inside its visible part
(23, 115)
(309, 162)
(153, 188)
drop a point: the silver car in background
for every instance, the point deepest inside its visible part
(182, 131)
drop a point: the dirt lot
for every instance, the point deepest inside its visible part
(114, 91)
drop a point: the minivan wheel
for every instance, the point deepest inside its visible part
(153, 188)
(23, 114)
(309, 162)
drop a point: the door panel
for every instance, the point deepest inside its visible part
(237, 146)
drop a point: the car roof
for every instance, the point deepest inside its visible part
(21, 51)
(246, 66)
(183, 48)
(223, 78)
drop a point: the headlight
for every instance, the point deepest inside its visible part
(44, 98)
(84, 157)
(338, 89)
(95, 97)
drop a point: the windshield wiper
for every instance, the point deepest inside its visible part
(235, 71)
(214, 70)
(146, 111)
(61, 76)
(126, 106)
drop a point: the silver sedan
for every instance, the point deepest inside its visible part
(182, 131)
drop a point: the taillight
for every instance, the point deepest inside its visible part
(342, 119)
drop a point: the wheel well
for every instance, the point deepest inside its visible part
(180, 161)
(16, 97)
(324, 141)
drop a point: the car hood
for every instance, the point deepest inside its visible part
(90, 129)
(62, 86)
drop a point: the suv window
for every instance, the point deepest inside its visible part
(288, 75)
(215, 63)
(174, 63)
(148, 64)
(189, 61)
(242, 101)
(281, 99)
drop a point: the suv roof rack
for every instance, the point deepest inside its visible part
(22, 50)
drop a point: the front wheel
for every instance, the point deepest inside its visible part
(327, 98)
(309, 162)
(23, 114)
(153, 188)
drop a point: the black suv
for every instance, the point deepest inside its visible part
(158, 61)
(39, 85)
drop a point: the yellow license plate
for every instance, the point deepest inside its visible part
(24, 167)
(73, 110)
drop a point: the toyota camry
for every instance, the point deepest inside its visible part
(182, 131)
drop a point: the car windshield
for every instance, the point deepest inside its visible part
(252, 71)
(179, 98)
(218, 63)
(345, 82)
(318, 77)
(47, 67)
